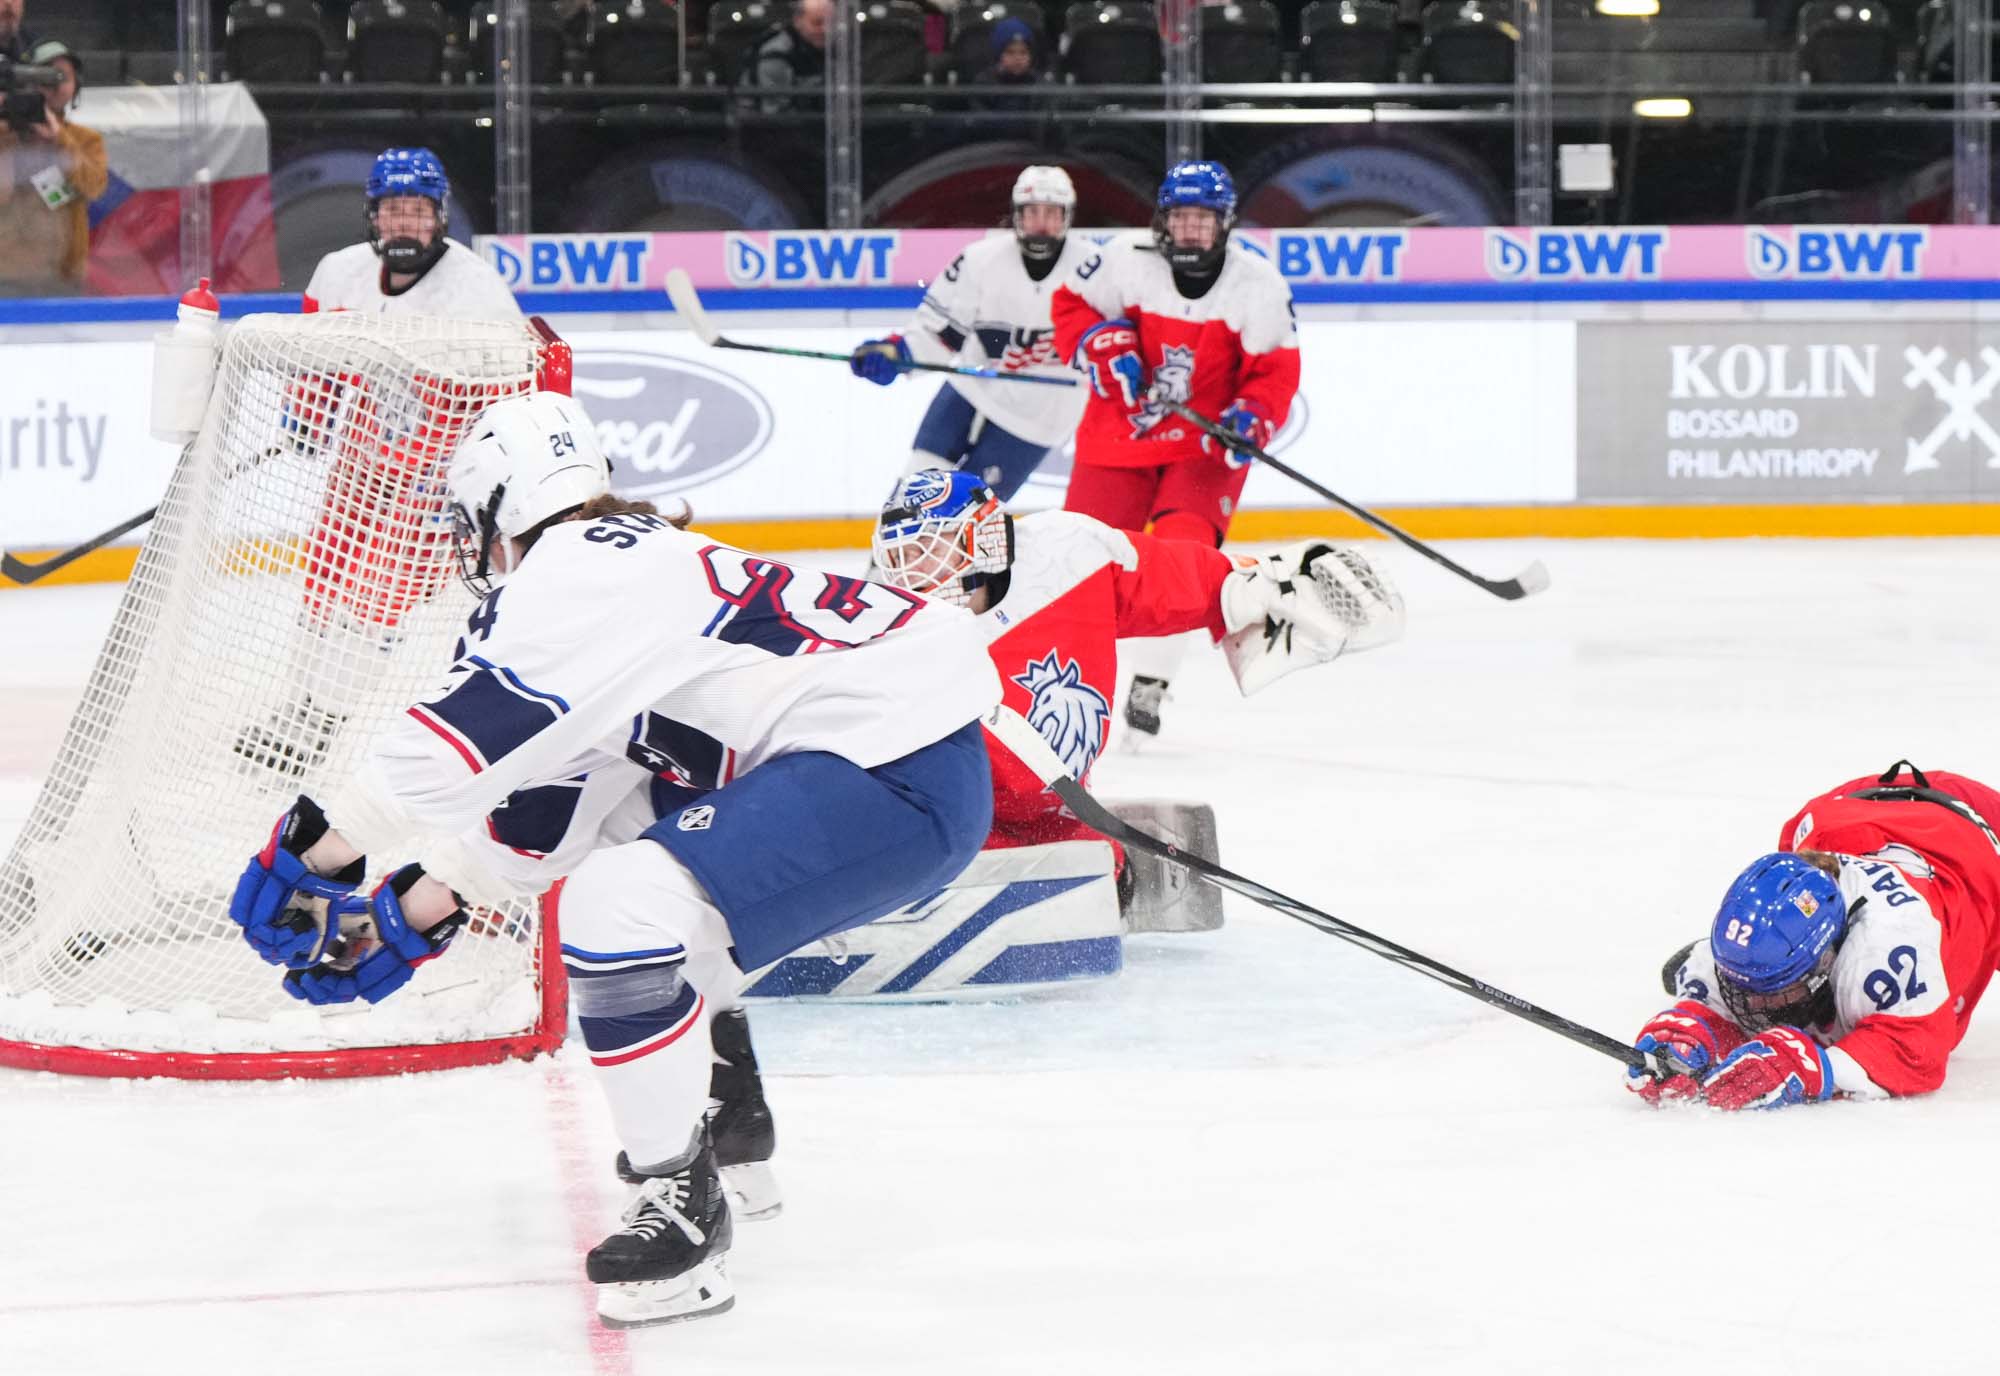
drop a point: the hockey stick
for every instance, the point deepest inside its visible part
(1526, 583)
(687, 304)
(23, 572)
(1013, 731)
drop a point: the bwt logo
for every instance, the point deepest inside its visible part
(1585, 255)
(1342, 255)
(575, 262)
(811, 259)
(1838, 251)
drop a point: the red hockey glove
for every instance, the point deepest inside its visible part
(1110, 354)
(1242, 420)
(1694, 1038)
(1783, 1066)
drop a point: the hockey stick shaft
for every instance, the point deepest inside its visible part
(1013, 731)
(687, 304)
(23, 572)
(1526, 583)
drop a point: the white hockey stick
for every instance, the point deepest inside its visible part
(687, 305)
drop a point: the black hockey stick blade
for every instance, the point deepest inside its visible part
(1014, 732)
(23, 572)
(1529, 581)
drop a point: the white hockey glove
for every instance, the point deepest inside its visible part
(1305, 604)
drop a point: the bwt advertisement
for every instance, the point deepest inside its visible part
(1798, 411)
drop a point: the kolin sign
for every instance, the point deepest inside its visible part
(1788, 412)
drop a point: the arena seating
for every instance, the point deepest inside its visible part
(547, 60)
(893, 50)
(1111, 42)
(1239, 42)
(274, 40)
(636, 43)
(396, 41)
(972, 25)
(1348, 40)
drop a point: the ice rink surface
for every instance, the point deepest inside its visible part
(1259, 1150)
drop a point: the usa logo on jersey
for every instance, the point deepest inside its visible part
(1069, 713)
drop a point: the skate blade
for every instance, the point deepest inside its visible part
(642, 1304)
(753, 1191)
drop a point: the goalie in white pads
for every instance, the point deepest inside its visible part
(990, 308)
(728, 757)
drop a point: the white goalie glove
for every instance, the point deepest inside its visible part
(1305, 604)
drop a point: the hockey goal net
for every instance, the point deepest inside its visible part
(296, 591)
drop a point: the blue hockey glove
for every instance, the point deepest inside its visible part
(388, 966)
(1245, 421)
(1110, 354)
(881, 361)
(270, 903)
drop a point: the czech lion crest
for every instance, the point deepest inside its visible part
(1069, 713)
(1173, 380)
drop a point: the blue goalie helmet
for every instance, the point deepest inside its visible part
(1199, 186)
(1774, 941)
(407, 172)
(942, 534)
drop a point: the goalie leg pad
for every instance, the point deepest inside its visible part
(1166, 897)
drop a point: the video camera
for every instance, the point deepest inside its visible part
(24, 93)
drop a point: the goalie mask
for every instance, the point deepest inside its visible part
(405, 236)
(525, 462)
(943, 534)
(1774, 939)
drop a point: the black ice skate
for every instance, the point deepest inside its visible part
(294, 741)
(1142, 704)
(667, 1262)
(739, 1124)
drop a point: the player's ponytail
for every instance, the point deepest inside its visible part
(600, 506)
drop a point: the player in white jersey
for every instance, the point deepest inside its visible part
(990, 309)
(408, 266)
(728, 757)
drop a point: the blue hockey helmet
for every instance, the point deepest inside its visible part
(1774, 940)
(1200, 186)
(942, 533)
(408, 172)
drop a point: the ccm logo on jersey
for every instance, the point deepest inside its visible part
(696, 818)
(808, 259)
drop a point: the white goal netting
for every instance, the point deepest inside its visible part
(296, 591)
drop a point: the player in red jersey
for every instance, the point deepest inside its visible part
(1177, 315)
(1056, 590)
(1848, 963)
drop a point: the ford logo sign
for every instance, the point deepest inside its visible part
(668, 423)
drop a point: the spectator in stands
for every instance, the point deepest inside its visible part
(1013, 54)
(794, 56)
(14, 40)
(51, 169)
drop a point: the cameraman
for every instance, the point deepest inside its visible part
(50, 172)
(14, 40)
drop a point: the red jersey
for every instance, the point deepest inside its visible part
(1922, 942)
(1238, 341)
(1075, 588)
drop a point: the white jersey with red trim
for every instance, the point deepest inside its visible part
(625, 655)
(460, 285)
(985, 311)
(1076, 587)
(1237, 341)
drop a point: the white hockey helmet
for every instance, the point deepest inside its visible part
(1041, 185)
(525, 461)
